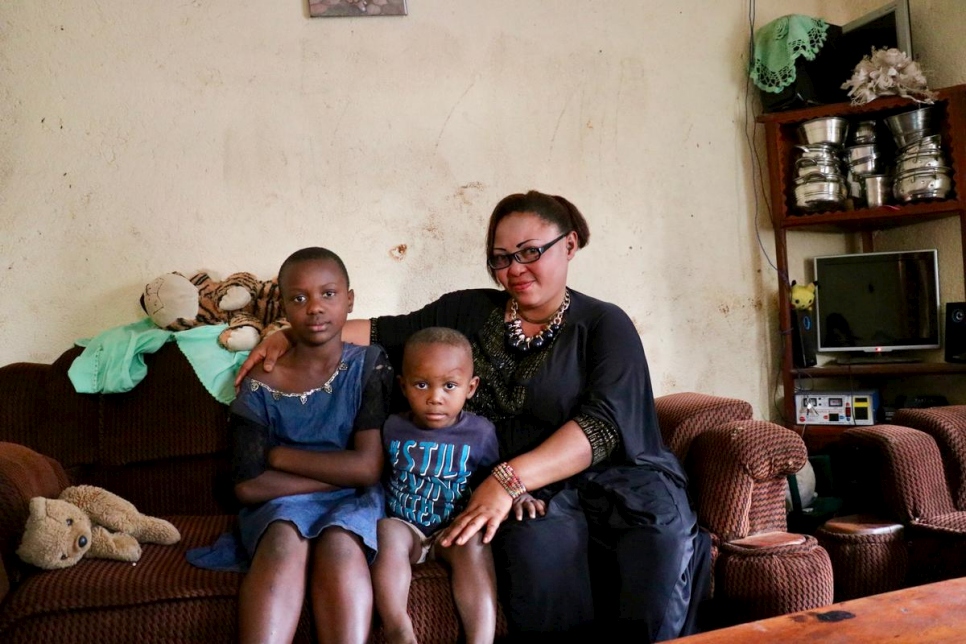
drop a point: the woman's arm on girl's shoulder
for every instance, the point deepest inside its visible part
(357, 332)
(266, 354)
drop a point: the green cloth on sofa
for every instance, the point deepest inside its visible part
(113, 361)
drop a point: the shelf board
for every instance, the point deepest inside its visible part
(874, 218)
(818, 437)
(884, 369)
(881, 104)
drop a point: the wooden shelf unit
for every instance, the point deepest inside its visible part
(781, 137)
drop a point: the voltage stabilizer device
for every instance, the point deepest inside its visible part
(837, 407)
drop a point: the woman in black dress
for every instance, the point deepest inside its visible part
(564, 378)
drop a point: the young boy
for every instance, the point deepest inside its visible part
(435, 452)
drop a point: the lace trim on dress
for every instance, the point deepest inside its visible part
(302, 396)
(603, 436)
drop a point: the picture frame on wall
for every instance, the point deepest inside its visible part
(356, 8)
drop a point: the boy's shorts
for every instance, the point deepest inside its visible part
(425, 543)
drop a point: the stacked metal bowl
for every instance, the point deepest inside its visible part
(921, 169)
(820, 183)
(864, 161)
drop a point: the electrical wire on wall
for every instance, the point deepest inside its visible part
(751, 131)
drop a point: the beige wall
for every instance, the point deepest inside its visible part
(139, 138)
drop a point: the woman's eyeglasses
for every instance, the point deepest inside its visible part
(523, 256)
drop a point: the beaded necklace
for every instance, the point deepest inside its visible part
(517, 340)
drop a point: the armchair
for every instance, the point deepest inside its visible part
(737, 469)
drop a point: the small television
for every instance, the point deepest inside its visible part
(877, 302)
(888, 26)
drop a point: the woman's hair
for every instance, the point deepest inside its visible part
(311, 254)
(551, 208)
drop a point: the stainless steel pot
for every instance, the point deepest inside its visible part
(877, 189)
(912, 137)
(808, 167)
(922, 183)
(930, 159)
(855, 152)
(866, 165)
(865, 132)
(824, 130)
(820, 194)
(912, 121)
(925, 144)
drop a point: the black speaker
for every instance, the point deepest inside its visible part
(955, 332)
(804, 338)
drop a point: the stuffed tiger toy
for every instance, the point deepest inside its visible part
(252, 308)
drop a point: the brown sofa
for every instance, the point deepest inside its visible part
(163, 446)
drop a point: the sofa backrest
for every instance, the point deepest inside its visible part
(902, 472)
(947, 425)
(683, 416)
(163, 445)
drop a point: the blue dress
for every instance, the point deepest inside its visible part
(322, 419)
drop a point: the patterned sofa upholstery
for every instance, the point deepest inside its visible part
(737, 468)
(910, 477)
(947, 426)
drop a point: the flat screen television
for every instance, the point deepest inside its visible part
(887, 26)
(877, 302)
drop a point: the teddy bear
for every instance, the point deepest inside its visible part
(88, 521)
(802, 295)
(251, 307)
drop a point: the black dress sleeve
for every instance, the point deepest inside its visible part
(249, 447)
(619, 392)
(376, 390)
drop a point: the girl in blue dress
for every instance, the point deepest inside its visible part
(307, 459)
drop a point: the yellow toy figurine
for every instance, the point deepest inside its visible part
(802, 296)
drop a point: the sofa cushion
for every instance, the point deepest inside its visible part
(163, 598)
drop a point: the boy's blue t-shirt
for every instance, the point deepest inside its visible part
(430, 470)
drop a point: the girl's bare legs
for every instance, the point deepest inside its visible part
(272, 593)
(341, 588)
(392, 574)
(474, 587)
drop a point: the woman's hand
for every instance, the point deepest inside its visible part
(529, 506)
(488, 507)
(267, 352)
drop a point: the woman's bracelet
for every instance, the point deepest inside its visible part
(506, 477)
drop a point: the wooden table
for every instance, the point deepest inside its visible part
(930, 613)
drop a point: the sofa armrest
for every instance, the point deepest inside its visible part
(738, 476)
(24, 474)
(682, 416)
